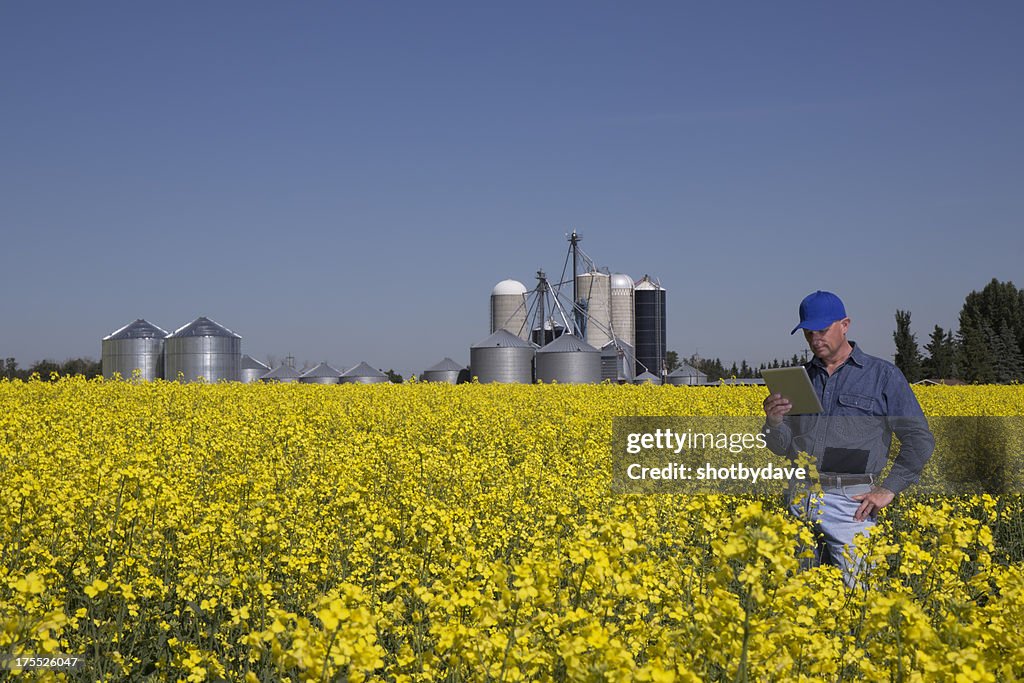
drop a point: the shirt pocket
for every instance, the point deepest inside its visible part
(855, 405)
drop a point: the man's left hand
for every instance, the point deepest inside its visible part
(872, 502)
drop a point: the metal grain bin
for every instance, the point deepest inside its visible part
(594, 291)
(502, 357)
(364, 373)
(321, 374)
(250, 369)
(285, 374)
(623, 312)
(649, 304)
(569, 360)
(686, 375)
(618, 361)
(446, 371)
(647, 377)
(508, 308)
(136, 346)
(203, 349)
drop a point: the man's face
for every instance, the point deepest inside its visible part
(825, 343)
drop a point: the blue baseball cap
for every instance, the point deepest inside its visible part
(819, 310)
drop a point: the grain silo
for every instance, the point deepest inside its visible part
(593, 292)
(284, 374)
(686, 375)
(446, 371)
(502, 357)
(647, 378)
(203, 349)
(623, 311)
(569, 360)
(136, 346)
(649, 301)
(508, 308)
(552, 331)
(618, 362)
(364, 373)
(321, 374)
(250, 369)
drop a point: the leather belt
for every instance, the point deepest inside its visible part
(839, 480)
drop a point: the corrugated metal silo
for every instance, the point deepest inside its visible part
(623, 311)
(321, 374)
(686, 375)
(136, 346)
(285, 374)
(594, 288)
(502, 357)
(250, 369)
(364, 373)
(203, 349)
(446, 371)
(569, 360)
(618, 362)
(647, 377)
(508, 308)
(649, 300)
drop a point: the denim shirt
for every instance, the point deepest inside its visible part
(865, 401)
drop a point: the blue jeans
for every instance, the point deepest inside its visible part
(830, 514)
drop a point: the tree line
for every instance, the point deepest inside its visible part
(988, 347)
(715, 370)
(87, 367)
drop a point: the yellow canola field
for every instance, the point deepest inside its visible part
(433, 532)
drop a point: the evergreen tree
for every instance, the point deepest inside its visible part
(908, 356)
(1008, 365)
(991, 320)
(975, 355)
(941, 360)
(672, 361)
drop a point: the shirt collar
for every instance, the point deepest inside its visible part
(856, 357)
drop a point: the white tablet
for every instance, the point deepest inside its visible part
(794, 384)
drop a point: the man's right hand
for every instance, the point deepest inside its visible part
(775, 406)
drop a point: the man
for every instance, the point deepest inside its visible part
(865, 400)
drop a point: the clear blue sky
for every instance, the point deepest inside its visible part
(347, 181)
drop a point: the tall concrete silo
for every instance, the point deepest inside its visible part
(618, 362)
(446, 371)
(594, 294)
(649, 299)
(569, 360)
(364, 373)
(203, 349)
(508, 308)
(136, 346)
(502, 357)
(250, 369)
(623, 311)
(284, 374)
(321, 374)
